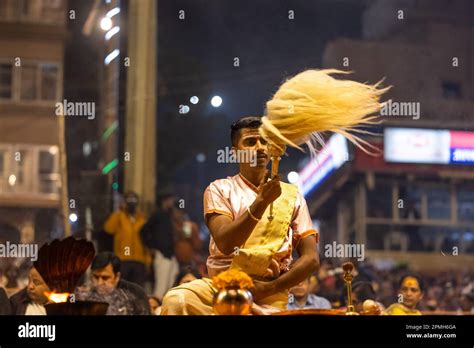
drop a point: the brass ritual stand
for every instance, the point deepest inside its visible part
(348, 267)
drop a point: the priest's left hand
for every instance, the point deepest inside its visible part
(261, 289)
(273, 270)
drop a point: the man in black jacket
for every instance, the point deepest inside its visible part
(157, 234)
(31, 300)
(106, 275)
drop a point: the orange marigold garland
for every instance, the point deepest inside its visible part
(232, 278)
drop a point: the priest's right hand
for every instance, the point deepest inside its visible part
(269, 190)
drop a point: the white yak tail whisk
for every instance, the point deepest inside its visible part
(314, 102)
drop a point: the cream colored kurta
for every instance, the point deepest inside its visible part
(231, 197)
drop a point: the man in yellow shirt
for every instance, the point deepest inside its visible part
(410, 293)
(125, 225)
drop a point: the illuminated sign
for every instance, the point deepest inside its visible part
(430, 146)
(331, 157)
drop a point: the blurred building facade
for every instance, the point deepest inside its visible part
(422, 214)
(32, 41)
(126, 119)
(99, 163)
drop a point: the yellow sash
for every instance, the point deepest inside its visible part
(267, 237)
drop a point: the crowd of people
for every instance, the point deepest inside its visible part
(150, 257)
(146, 258)
(442, 292)
(154, 251)
(394, 291)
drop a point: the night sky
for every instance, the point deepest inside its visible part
(196, 57)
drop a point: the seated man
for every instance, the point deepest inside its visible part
(300, 298)
(31, 300)
(236, 211)
(411, 291)
(106, 278)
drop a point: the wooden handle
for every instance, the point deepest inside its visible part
(274, 172)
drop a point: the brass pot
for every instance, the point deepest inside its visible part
(233, 301)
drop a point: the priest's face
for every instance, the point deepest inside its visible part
(37, 288)
(252, 149)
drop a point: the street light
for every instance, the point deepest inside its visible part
(201, 157)
(293, 177)
(73, 217)
(183, 109)
(216, 101)
(111, 33)
(111, 56)
(12, 180)
(113, 12)
(105, 23)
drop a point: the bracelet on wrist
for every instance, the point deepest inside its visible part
(253, 217)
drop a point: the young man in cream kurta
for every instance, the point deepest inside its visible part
(236, 212)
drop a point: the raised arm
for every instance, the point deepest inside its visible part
(228, 233)
(112, 223)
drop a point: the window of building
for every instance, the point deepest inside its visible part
(28, 82)
(465, 204)
(49, 81)
(33, 81)
(451, 89)
(30, 9)
(439, 203)
(409, 202)
(2, 163)
(46, 162)
(34, 168)
(53, 11)
(5, 81)
(379, 201)
(33, 11)
(3, 169)
(48, 170)
(8, 9)
(22, 172)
